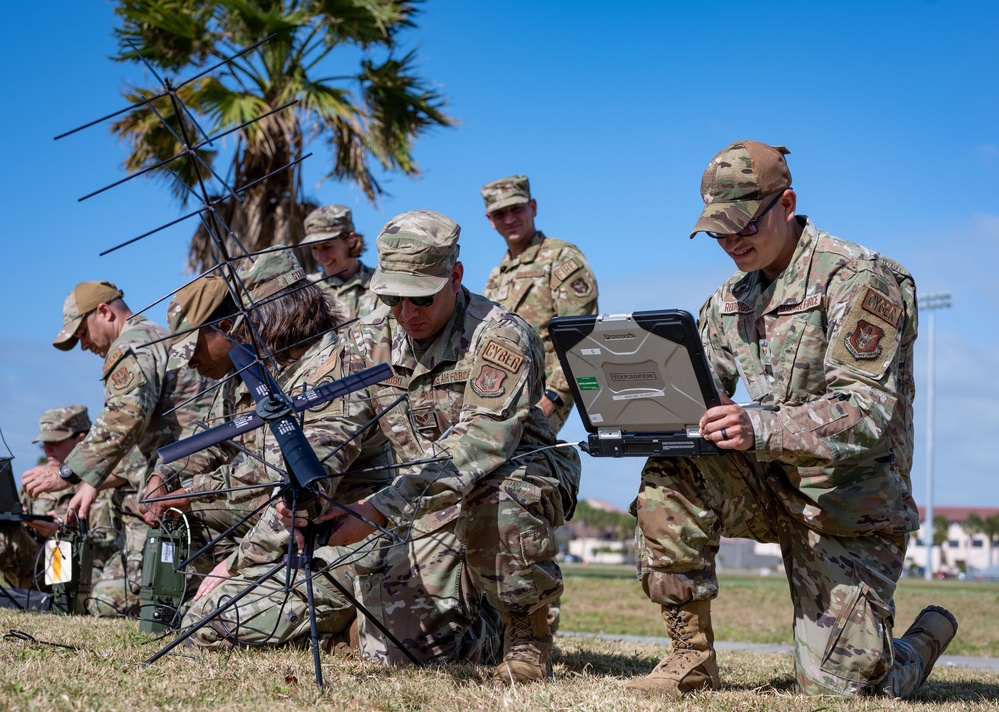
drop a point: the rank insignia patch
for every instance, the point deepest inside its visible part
(424, 419)
(864, 342)
(122, 378)
(489, 382)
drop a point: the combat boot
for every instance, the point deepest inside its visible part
(930, 634)
(691, 664)
(527, 644)
(344, 642)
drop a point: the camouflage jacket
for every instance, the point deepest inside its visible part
(143, 382)
(352, 297)
(320, 365)
(470, 395)
(830, 343)
(550, 278)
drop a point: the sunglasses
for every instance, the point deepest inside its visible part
(750, 228)
(391, 300)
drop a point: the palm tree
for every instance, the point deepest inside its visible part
(373, 114)
(989, 527)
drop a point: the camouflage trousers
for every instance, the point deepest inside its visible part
(441, 594)
(842, 587)
(419, 591)
(116, 589)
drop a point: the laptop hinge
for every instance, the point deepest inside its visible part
(609, 433)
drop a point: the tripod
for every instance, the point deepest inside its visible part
(299, 488)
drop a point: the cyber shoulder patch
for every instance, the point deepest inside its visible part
(565, 269)
(488, 383)
(499, 355)
(112, 360)
(879, 305)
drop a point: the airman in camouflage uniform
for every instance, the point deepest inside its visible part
(329, 232)
(143, 385)
(59, 430)
(539, 278)
(821, 332)
(480, 525)
(202, 309)
(205, 311)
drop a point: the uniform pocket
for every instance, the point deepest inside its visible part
(858, 648)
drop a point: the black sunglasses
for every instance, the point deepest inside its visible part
(391, 300)
(750, 228)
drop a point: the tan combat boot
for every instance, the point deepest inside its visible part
(930, 634)
(527, 642)
(343, 643)
(691, 664)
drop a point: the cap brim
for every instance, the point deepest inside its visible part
(66, 339)
(727, 217)
(315, 237)
(53, 436)
(506, 203)
(400, 284)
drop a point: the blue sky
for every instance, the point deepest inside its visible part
(613, 110)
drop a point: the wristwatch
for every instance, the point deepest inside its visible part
(553, 397)
(68, 475)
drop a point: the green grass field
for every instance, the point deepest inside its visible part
(106, 671)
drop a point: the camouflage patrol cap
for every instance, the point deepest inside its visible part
(192, 307)
(85, 297)
(416, 253)
(326, 223)
(61, 423)
(735, 183)
(502, 193)
(270, 272)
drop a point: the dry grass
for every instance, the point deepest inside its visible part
(107, 671)
(758, 609)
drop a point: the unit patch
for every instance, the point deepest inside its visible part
(499, 355)
(864, 342)
(565, 269)
(122, 378)
(489, 382)
(880, 306)
(581, 286)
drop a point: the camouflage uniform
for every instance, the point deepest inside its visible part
(143, 383)
(550, 278)
(20, 555)
(351, 295)
(479, 527)
(829, 342)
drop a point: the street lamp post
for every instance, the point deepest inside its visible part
(932, 302)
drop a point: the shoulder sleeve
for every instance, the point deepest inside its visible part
(572, 283)
(131, 393)
(503, 385)
(862, 357)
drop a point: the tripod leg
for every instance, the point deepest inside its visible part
(214, 614)
(313, 627)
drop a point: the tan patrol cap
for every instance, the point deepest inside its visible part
(85, 297)
(502, 193)
(417, 251)
(736, 182)
(61, 423)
